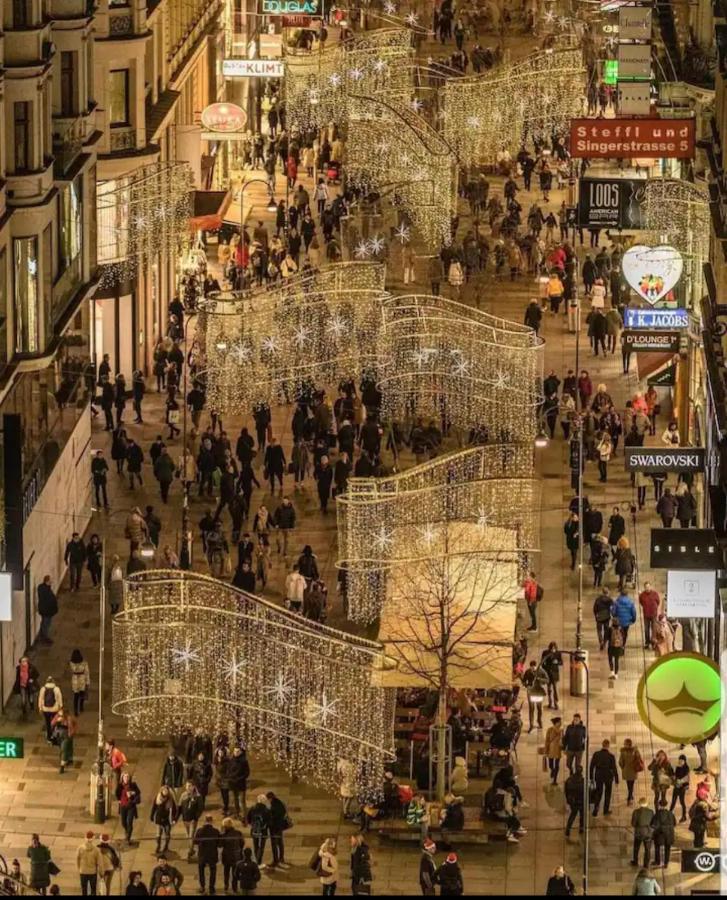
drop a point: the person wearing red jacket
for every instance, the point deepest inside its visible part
(532, 593)
(650, 603)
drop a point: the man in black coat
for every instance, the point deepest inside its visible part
(428, 869)
(47, 608)
(238, 772)
(278, 824)
(574, 787)
(604, 773)
(107, 402)
(99, 468)
(574, 742)
(134, 461)
(74, 558)
(207, 841)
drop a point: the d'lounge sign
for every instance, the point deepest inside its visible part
(651, 341)
(668, 459)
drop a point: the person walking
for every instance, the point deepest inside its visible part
(63, 730)
(40, 863)
(666, 507)
(129, 797)
(554, 748)
(560, 884)
(428, 869)
(662, 776)
(247, 873)
(641, 823)
(328, 867)
(279, 822)
(624, 611)
(574, 742)
(571, 530)
(27, 681)
(681, 786)
(533, 593)
(164, 470)
(616, 647)
(645, 885)
(602, 616)
(134, 462)
(574, 795)
(274, 465)
(47, 609)
(449, 877)
(650, 604)
(191, 806)
(284, 520)
(631, 764)
(604, 774)
(534, 679)
(74, 557)
(663, 826)
(88, 864)
(50, 700)
(80, 680)
(164, 815)
(110, 862)
(207, 843)
(551, 662)
(360, 865)
(233, 844)
(258, 818)
(99, 473)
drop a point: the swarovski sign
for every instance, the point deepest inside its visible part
(667, 459)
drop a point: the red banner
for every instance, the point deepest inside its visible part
(630, 138)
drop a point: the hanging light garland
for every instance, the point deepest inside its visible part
(142, 215)
(193, 652)
(486, 113)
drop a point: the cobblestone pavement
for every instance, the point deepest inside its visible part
(35, 798)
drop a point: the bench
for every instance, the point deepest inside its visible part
(475, 831)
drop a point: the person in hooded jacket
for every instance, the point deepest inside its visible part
(560, 884)
(449, 877)
(258, 818)
(233, 844)
(247, 873)
(428, 869)
(279, 821)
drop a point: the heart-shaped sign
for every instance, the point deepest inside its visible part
(652, 271)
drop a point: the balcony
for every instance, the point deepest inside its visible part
(121, 21)
(123, 139)
(69, 134)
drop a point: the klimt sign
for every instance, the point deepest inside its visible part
(632, 138)
(666, 459)
(253, 68)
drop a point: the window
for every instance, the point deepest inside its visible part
(92, 218)
(27, 320)
(119, 97)
(68, 83)
(21, 119)
(71, 212)
(20, 13)
(3, 307)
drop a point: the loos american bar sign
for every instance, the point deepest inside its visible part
(632, 138)
(668, 459)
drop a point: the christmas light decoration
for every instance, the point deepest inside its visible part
(141, 215)
(302, 694)
(529, 99)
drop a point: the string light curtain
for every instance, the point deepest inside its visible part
(392, 149)
(502, 109)
(317, 328)
(193, 652)
(142, 215)
(401, 522)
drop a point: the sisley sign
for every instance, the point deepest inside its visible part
(667, 459)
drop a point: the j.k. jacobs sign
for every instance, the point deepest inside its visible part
(668, 459)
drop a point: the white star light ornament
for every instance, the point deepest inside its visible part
(460, 367)
(389, 8)
(473, 121)
(412, 19)
(301, 335)
(383, 539)
(428, 535)
(335, 79)
(356, 74)
(483, 518)
(324, 710)
(379, 65)
(417, 105)
(233, 668)
(241, 353)
(270, 345)
(376, 244)
(502, 379)
(281, 691)
(362, 250)
(403, 233)
(185, 655)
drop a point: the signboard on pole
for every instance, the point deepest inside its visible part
(632, 138)
(634, 61)
(651, 341)
(665, 459)
(12, 748)
(689, 548)
(656, 318)
(703, 862)
(634, 23)
(253, 68)
(690, 594)
(610, 202)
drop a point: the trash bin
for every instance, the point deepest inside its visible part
(579, 674)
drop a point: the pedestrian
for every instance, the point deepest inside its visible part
(604, 774)
(232, 843)
(238, 772)
(600, 556)
(116, 758)
(207, 842)
(645, 885)
(164, 470)
(560, 884)
(641, 823)
(136, 887)
(602, 615)
(279, 823)
(99, 471)
(324, 478)
(662, 777)
(258, 818)
(624, 611)
(163, 816)
(94, 557)
(88, 864)
(164, 873)
(80, 681)
(119, 444)
(173, 772)
(284, 520)
(328, 867)
(667, 507)
(274, 464)
(631, 764)
(663, 826)
(27, 681)
(74, 557)
(360, 865)
(533, 593)
(41, 864)
(129, 797)
(449, 877)
(551, 661)
(115, 584)
(686, 506)
(63, 729)
(110, 862)
(47, 609)
(616, 647)
(624, 563)
(571, 530)
(553, 748)
(134, 462)
(247, 872)
(120, 398)
(604, 449)
(191, 806)
(650, 602)
(428, 869)
(534, 680)
(574, 742)
(574, 794)
(50, 701)
(681, 787)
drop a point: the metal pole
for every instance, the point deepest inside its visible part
(184, 555)
(579, 608)
(586, 780)
(100, 810)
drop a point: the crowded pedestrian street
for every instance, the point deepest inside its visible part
(356, 580)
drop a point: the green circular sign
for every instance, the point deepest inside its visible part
(680, 697)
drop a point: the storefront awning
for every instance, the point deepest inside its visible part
(208, 210)
(649, 363)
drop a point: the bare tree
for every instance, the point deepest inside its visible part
(452, 614)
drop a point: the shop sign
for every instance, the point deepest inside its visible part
(292, 7)
(610, 71)
(634, 23)
(691, 593)
(686, 548)
(634, 98)
(652, 271)
(656, 318)
(253, 68)
(665, 459)
(651, 341)
(679, 697)
(610, 202)
(634, 61)
(224, 118)
(12, 748)
(632, 138)
(296, 21)
(703, 862)
(666, 378)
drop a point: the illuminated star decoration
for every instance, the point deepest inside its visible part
(300, 336)
(324, 710)
(362, 250)
(420, 357)
(483, 517)
(389, 7)
(473, 122)
(337, 327)
(335, 79)
(427, 534)
(281, 691)
(241, 352)
(232, 668)
(270, 344)
(549, 16)
(460, 366)
(412, 19)
(501, 379)
(356, 74)
(140, 221)
(403, 232)
(383, 539)
(379, 65)
(417, 105)
(376, 244)
(185, 655)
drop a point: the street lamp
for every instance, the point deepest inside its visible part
(541, 439)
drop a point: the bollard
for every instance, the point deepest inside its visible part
(578, 677)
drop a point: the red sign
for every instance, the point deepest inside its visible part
(629, 138)
(227, 117)
(296, 21)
